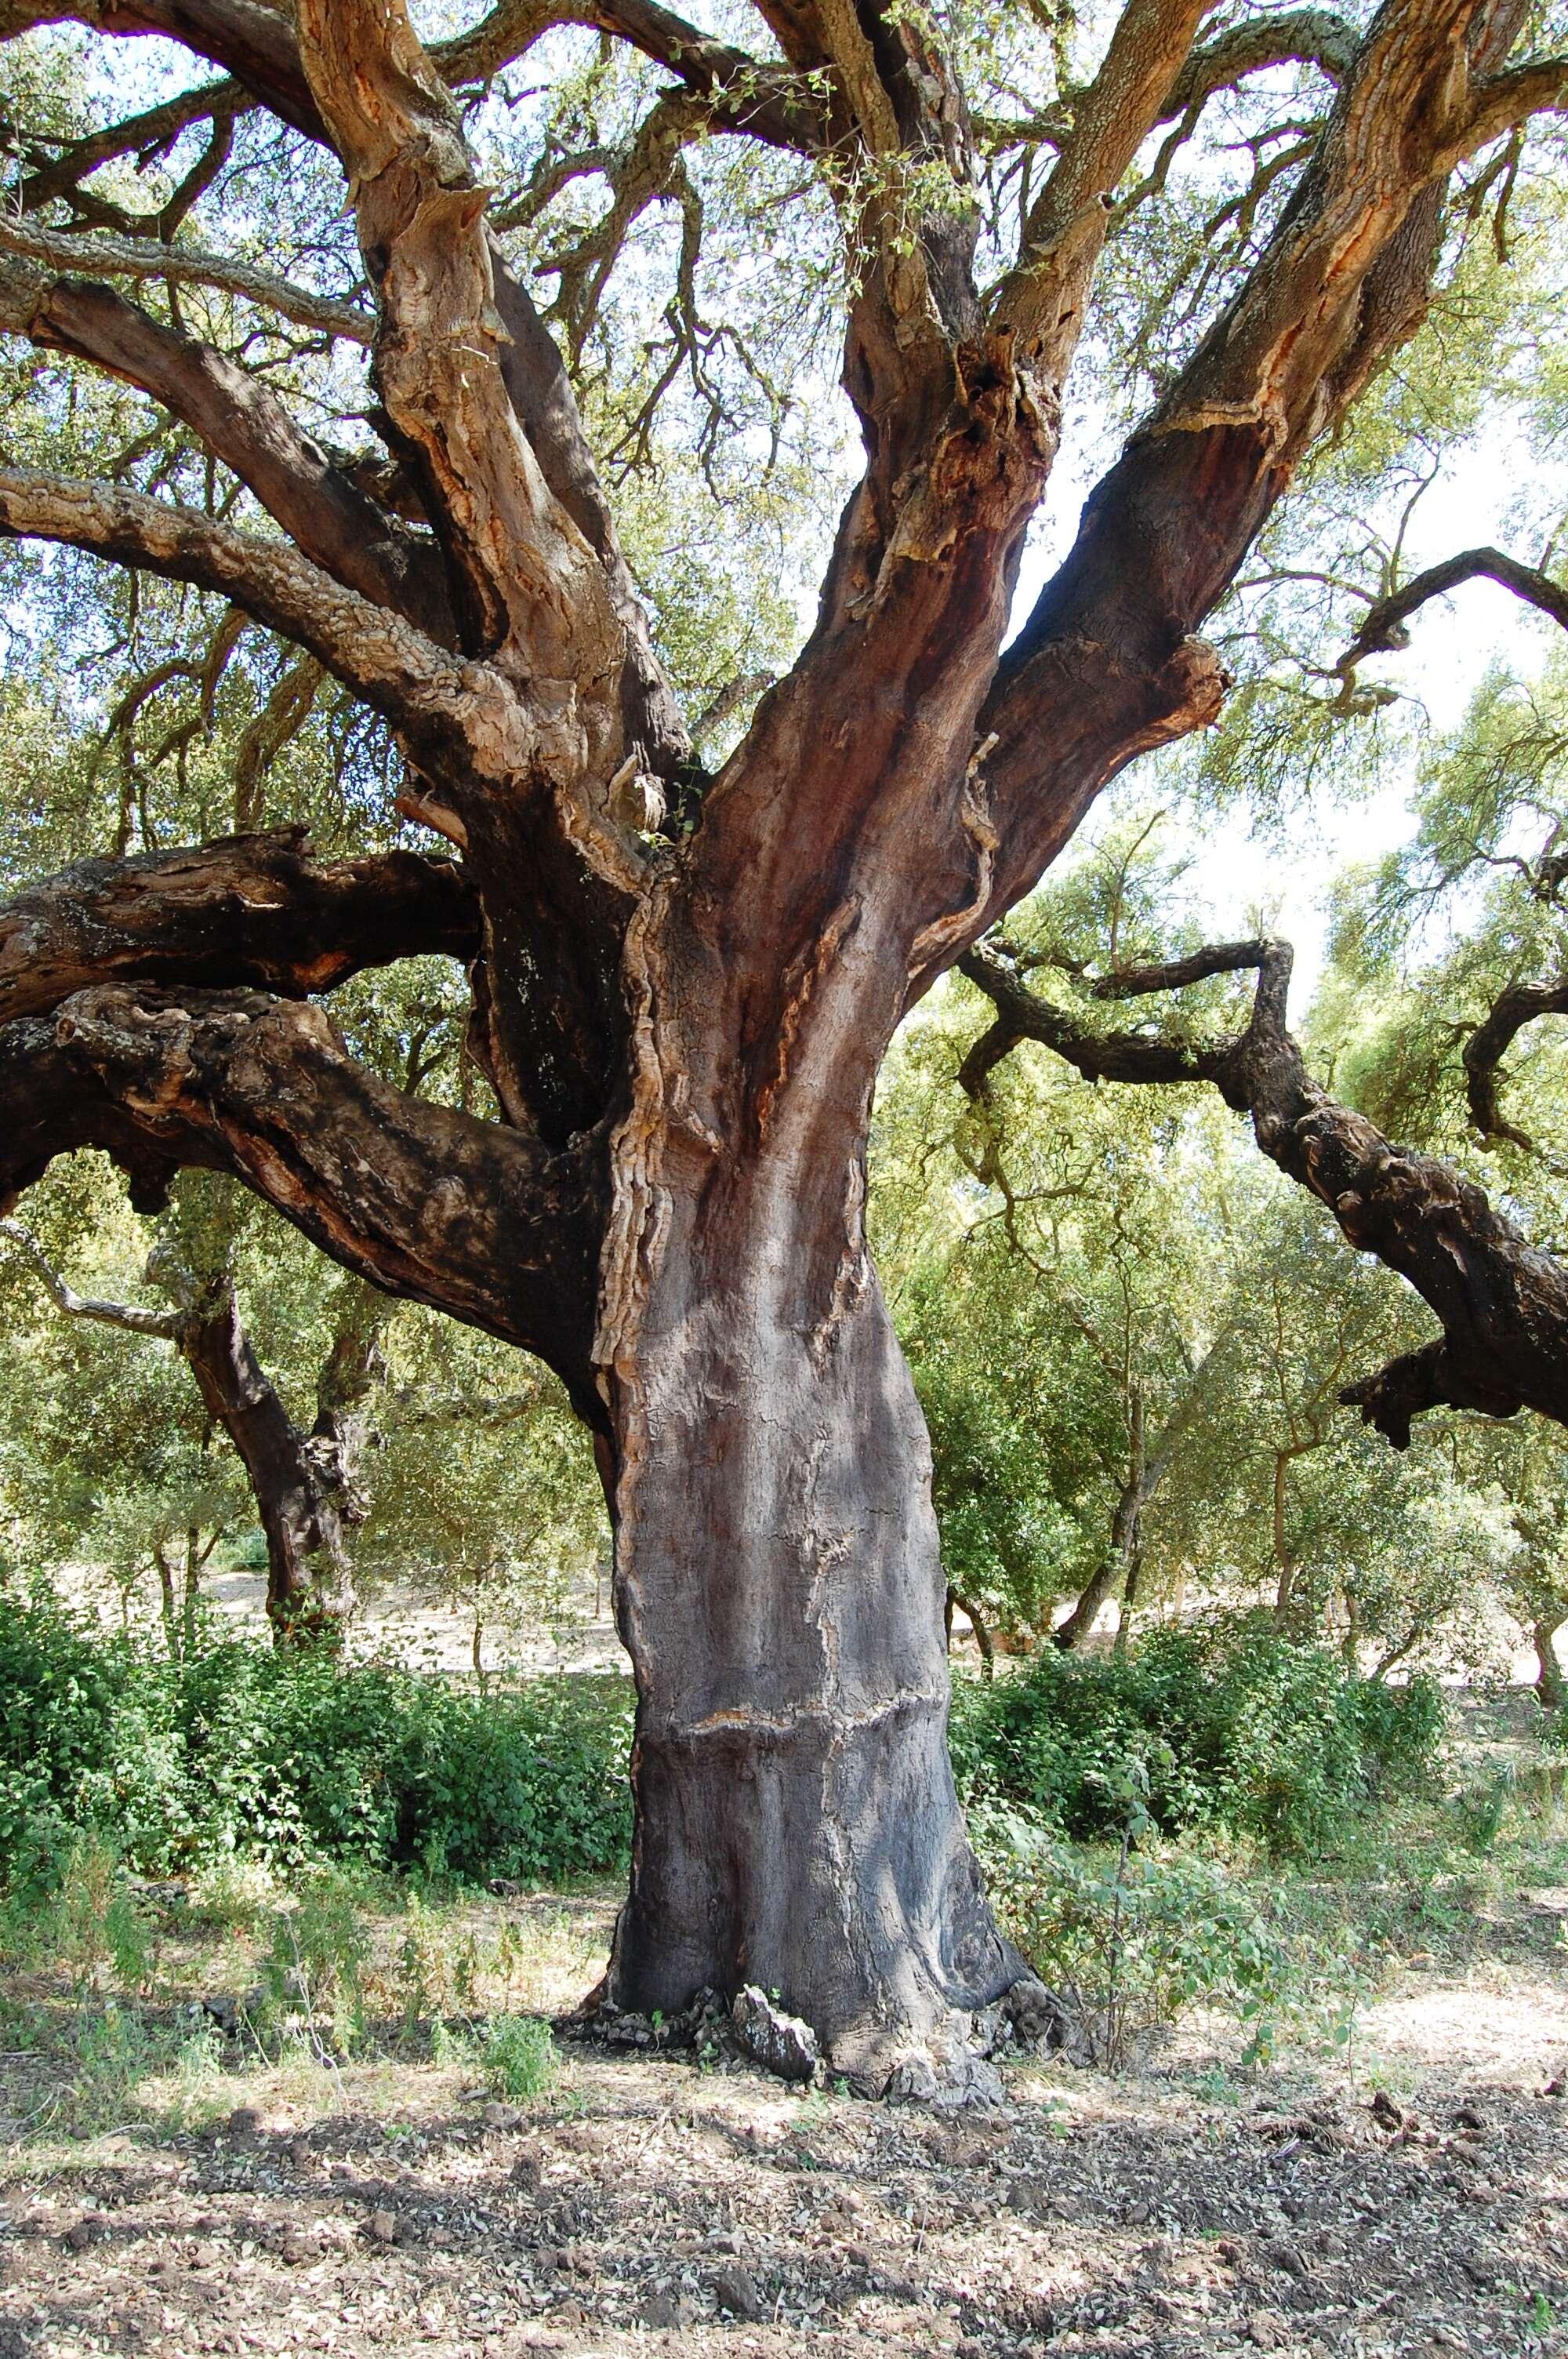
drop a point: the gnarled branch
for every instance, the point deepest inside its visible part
(1314, 37)
(254, 911)
(1503, 1303)
(1383, 628)
(334, 522)
(412, 683)
(1108, 664)
(425, 1202)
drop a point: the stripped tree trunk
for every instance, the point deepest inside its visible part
(682, 1020)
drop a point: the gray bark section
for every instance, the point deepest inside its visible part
(780, 1589)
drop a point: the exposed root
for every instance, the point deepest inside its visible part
(951, 2067)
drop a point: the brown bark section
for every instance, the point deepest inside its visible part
(257, 910)
(1502, 1301)
(1116, 1568)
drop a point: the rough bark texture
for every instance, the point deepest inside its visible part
(683, 1028)
(254, 911)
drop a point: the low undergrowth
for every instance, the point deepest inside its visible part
(1220, 1822)
(1135, 1932)
(168, 2004)
(1228, 1726)
(236, 1751)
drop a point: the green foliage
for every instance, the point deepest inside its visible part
(1130, 1938)
(519, 2055)
(237, 1751)
(1230, 1725)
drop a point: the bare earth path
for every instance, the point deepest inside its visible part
(1413, 2202)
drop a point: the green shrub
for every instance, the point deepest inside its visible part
(239, 1751)
(1229, 1724)
(1128, 1937)
(520, 2058)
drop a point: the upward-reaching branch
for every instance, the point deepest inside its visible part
(531, 591)
(1108, 663)
(1043, 300)
(1383, 624)
(260, 49)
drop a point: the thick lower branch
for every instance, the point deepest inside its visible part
(425, 1202)
(254, 910)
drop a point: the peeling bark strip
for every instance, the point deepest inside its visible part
(1503, 1302)
(684, 1032)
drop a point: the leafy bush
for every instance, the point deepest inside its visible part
(520, 2058)
(239, 1751)
(1228, 1724)
(1130, 1937)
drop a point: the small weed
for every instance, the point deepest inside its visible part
(519, 2055)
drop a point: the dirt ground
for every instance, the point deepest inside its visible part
(1410, 2196)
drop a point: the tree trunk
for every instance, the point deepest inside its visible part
(779, 1588)
(1549, 1685)
(167, 1603)
(1285, 1565)
(308, 1590)
(1129, 1600)
(1126, 1525)
(194, 1559)
(983, 1636)
(1350, 1644)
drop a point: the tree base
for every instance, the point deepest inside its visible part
(953, 2065)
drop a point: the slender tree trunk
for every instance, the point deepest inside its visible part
(167, 1603)
(1126, 1524)
(194, 1559)
(1550, 1684)
(1285, 1565)
(1129, 1600)
(983, 1636)
(1350, 1645)
(309, 1592)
